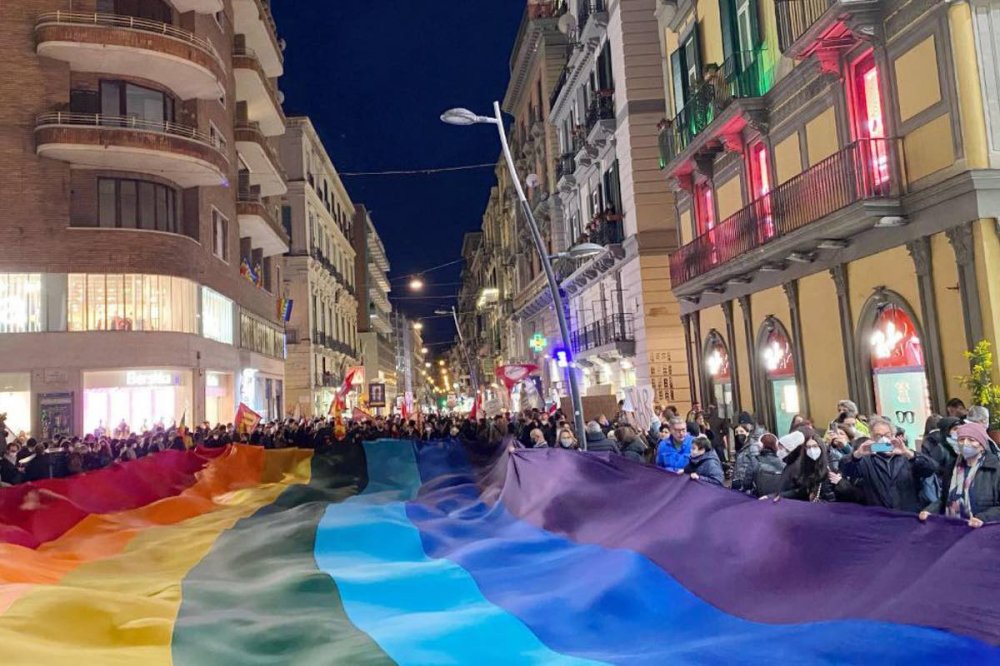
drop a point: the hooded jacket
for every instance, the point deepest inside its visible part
(597, 442)
(708, 467)
(635, 449)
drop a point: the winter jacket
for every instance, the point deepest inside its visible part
(984, 493)
(671, 457)
(708, 467)
(635, 449)
(893, 482)
(936, 447)
(794, 487)
(837, 454)
(746, 460)
(597, 442)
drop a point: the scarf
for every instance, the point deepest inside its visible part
(959, 505)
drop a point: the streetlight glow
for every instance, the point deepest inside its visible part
(423, 350)
(417, 326)
(416, 284)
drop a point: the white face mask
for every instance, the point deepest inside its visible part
(814, 453)
(566, 442)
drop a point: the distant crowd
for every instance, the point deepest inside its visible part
(855, 459)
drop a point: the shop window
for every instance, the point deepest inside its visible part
(778, 365)
(131, 303)
(21, 305)
(217, 313)
(899, 372)
(220, 235)
(136, 400)
(135, 204)
(719, 372)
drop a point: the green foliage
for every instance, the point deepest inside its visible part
(980, 382)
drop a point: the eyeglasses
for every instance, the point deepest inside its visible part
(905, 417)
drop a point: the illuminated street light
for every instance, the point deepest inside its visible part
(416, 284)
(441, 363)
(417, 326)
(423, 350)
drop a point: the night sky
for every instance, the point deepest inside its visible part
(374, 76)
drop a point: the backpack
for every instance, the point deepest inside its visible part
(766, 482)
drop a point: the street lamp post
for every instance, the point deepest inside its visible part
(473, 378)
(466, 117)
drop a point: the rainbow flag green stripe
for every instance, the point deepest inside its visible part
(258, 598)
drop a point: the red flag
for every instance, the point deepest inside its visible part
(360, 415)
(338, 398)
(246, 419)
(474, 413)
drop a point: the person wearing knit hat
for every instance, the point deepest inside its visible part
(789, 443)
(973, 484)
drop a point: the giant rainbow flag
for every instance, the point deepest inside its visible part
(392, 552)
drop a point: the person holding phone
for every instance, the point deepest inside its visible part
(888, 473)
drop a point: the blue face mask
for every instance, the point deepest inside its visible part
(952, 440)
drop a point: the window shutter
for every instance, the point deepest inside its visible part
(755, 33)
(699, 66)
(679, 73)
(730, 33)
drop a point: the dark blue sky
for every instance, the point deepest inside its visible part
(374, 76)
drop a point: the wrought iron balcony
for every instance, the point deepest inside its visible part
(744, 75)
(829, 27)
(605, 229)
(601, 108)
(565, 166)
(866, 170)
(617, 329)
(590, 9)
(542, 9)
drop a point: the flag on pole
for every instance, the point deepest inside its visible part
(246, 419)
(360, 415)
(338, 403)
(183, 433)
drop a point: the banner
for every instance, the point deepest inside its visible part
(639, 402)
(376, 395)
(510, 375)
(246, 419)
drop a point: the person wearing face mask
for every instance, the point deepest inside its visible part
(972, 486)
(538, 439)
(940, 444)
(704, 464)
(888, 473)
(567, 440)
(807, 477)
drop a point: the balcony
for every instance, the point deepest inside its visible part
(253, 19)
(258, 92)
(601, 123)
(181, 154)
(565, 168)
(827, 28)
(133, 47)
(199, 6)
(836, 199)
(542, 9)
(261, 160)
(592, 21)
(258, 222)
(717, 111)
(613, 337)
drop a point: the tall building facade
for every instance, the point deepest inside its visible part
(833, 163)
(141, 277)
(375, 332)
(319, 274)
(626, 331)
(536, 64)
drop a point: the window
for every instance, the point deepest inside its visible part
(131, 303)
(760, 189)
(218, 138)
(154, 10)
(261, 336)
(740, 32)
(136, 204)
(685, 68)
(119, 98)
(869, 121)
(704, 207)
(216, 316)
(20, 303)
(220, 235)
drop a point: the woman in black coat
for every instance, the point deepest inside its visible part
(971, 488)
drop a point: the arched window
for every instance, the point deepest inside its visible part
(719, 374)
(777, 374)
(894, 369)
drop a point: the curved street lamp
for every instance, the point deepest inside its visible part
(466, 117)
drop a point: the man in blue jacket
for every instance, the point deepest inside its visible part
(674, 452)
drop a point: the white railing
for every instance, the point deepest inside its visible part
(69, 119)
(128, 23)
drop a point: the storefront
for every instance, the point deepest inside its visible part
(220, 406)
(262, 392)
(141, 398)
(898, 370)
(15, 401)
(777, 362)
(719, 375)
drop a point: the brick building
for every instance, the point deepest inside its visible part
(140, 278)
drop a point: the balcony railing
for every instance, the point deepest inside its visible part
(601, 107)
(588, 8)
(795, 17)
(128, 23)
(542, 10)
(862, 171)
(605, 229)
(618, 328)
(743, 75)
(565, 166)
(62, 118)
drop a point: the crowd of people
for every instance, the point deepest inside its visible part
(858, 459)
